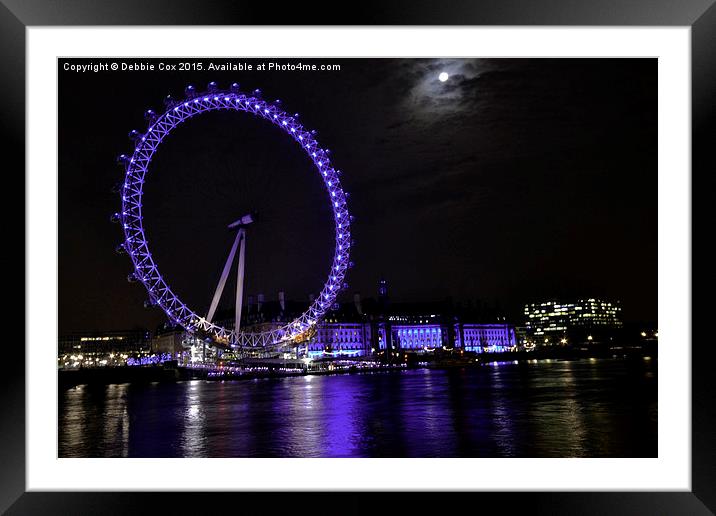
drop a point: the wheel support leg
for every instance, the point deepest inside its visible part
(222, 280)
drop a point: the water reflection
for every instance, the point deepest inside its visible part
(502, 417)
(544, 409)
(194, 435)
(101, 428)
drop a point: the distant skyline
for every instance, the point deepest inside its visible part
(513, 181)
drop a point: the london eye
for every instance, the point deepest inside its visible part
(146, 271)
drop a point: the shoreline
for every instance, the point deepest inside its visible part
(68, 378)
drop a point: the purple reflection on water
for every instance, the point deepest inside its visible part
(581, 408)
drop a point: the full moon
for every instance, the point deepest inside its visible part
(443, 77)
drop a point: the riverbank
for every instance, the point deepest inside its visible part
(575, 353)
(68, 378)
(170, 372)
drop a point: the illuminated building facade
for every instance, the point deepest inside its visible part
(367, 327)
(346, 332)
(410, 334)
(487, 338)
(586, 320)
(336, 339)
(96, 349)
(416, 337)
(414, 331)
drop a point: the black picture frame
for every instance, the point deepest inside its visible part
(700, 15)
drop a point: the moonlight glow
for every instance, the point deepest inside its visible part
(443, 77)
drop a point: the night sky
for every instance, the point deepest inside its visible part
(513, 181)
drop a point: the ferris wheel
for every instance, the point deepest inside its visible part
(146, 271)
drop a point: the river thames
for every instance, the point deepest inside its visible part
(548, 408)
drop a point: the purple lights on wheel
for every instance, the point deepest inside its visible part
(136, 246)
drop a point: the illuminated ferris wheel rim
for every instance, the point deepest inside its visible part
(135, 243)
